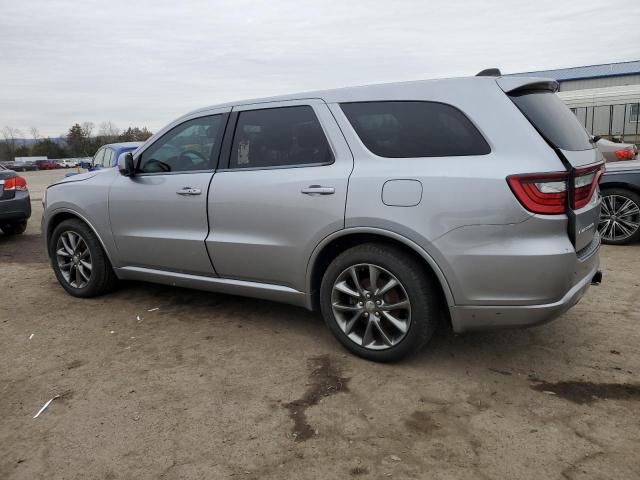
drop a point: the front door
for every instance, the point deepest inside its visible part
(282, 189)
(159, 217)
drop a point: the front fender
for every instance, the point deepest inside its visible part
(86, 200)
(49, 222)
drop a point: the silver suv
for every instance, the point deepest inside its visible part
(387, 207)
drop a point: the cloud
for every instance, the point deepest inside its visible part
(147, 62)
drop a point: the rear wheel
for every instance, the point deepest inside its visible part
(619, 216)
(79, 262)
(14, 228)
(378, 303)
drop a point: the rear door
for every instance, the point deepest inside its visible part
(564, 133)
(283, 189)
(159, 217)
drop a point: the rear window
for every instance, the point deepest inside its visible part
(414, 129)
(553, 119)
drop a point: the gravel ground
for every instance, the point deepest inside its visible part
(159, 382)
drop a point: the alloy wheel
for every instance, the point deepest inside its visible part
(371, 306)
(619, 218)
(74, 259)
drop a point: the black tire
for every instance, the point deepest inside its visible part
(619, 194)
(102, 279)
(419, 287)
(14, 228)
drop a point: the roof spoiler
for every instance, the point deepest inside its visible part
(518, 84)
(489, 72)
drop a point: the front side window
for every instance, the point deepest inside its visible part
(188, 147)
(279, 137)
(409, 129)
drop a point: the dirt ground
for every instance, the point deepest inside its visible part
(212, 386)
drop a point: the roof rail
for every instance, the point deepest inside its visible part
(489, 72)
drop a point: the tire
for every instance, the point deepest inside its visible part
(74, 279)
(419, 321)
(14, 228)
(619, 216)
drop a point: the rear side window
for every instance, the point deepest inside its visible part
(415, 129)
(553, 119)
(279, 137)
(108, 158)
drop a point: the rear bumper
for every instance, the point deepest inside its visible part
(16, 209)
(485, 317)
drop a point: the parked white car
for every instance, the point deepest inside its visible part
(68, 162)
(616, 151)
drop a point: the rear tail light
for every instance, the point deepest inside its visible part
(15, 183)
(625, 154)
(546, 193)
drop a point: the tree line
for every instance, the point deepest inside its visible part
(82, 140)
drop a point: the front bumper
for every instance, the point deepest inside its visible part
(16, 209)
(485, 317)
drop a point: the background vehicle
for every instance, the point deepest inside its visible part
(388, 207)
(107, 155)
(15, 204)
(20, 167)
(67, 162)
(47, 164)
(84, 162)
(616, 151)
(620, 214)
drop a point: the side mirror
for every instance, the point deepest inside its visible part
(126, 165)
(596, 138)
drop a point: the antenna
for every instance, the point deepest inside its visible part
(489, 72)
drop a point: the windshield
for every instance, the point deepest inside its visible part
(553, 119)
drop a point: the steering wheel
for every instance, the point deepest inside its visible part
(192, 152)
(156, 166)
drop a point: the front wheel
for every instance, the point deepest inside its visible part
(378, 302)
(619, 216)
(79, 262)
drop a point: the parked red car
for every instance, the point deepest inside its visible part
(47, 164)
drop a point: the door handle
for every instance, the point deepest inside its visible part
(189, 191)
(318, 190)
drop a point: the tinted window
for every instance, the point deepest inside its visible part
(553, 119)
(279, 137)
(187, 147)
(414, 129)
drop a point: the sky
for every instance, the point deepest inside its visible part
(144, 63)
